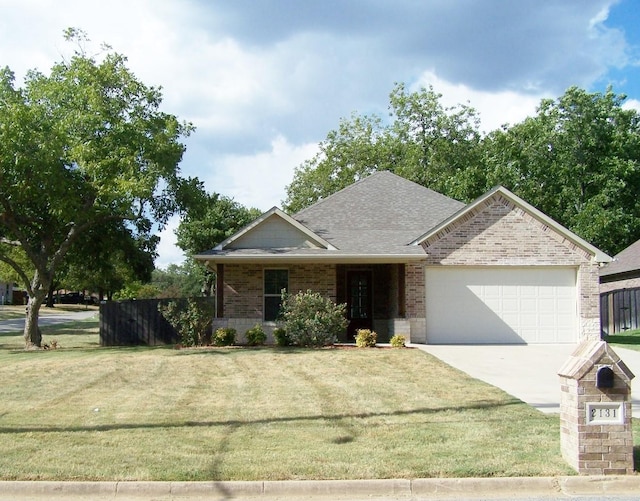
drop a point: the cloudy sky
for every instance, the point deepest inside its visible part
(264, 81)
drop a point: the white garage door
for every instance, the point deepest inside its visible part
(501, 305)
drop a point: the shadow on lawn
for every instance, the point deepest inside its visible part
(426, 411)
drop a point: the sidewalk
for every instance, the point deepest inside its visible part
(625, 487)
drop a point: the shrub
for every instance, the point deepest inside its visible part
(281, 337)
(191, 320)
(256, 336)
(224, 336)
(311, 319)
(398, 341)
(366, 338)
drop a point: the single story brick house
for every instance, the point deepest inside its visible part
(623, 272)
(407, 260)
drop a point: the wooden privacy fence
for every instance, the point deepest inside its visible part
(620, 311)
(138, 322)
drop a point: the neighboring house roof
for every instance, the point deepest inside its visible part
(477, 204)
(625, 264)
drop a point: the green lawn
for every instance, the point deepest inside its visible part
(89, 413)
(629, 340)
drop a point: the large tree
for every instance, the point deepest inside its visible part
(106, 258)
(83, 146)
(423, 140)
(352, 151)
(577, 160)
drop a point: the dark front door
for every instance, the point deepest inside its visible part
(359, 302)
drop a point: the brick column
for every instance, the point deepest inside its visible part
(595, 411)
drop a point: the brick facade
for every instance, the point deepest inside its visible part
(496, 232)
(243, 286)
(630, 283)
(500, 233)
(243, 297)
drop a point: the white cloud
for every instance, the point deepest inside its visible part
(631, 104)
(259, 180)
(494, 108)
(264, 84)
(253, 180)
(168, 251)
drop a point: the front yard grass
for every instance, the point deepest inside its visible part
(89, 413)
(629, 340)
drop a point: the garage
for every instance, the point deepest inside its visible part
(501, 305)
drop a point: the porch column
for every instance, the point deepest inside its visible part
(219, 290)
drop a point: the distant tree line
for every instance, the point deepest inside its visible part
(577, 159)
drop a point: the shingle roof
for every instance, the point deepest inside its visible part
(626, 261)
(382, 213)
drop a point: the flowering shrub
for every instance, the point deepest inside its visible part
(191, 320)
(224, 336)
(398, 341)
(281, 337)
(256, 335)
(366, 338)
(311, 319)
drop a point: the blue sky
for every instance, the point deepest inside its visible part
(264, 81)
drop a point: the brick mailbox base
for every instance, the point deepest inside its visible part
(595, 411)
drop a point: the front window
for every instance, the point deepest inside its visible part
(275, 281)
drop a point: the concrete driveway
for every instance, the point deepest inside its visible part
(528, 372)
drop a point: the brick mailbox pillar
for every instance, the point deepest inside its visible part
(595, 411)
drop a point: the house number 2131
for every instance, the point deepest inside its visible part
(605, 413)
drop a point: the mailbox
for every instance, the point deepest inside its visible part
(604, 377)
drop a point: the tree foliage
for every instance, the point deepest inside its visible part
(82, 147)
(577, 159)
(179, 280)
(107, 257)
(210, 220)
(425, 142)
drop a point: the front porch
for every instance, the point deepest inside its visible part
(385, 297)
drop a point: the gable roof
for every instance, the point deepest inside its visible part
(374, 219)
(597, 254)
(313, 239)
(625, 262)
(380, 213)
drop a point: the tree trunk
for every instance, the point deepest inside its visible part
(49, 303)
(32, 333)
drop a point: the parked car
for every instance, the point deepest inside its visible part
(69, 298)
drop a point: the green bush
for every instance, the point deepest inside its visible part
(366, 338)
(224, 336)
(281, 337)
(256, 336)
(191, 320)
(398, 341)
(311, 319)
